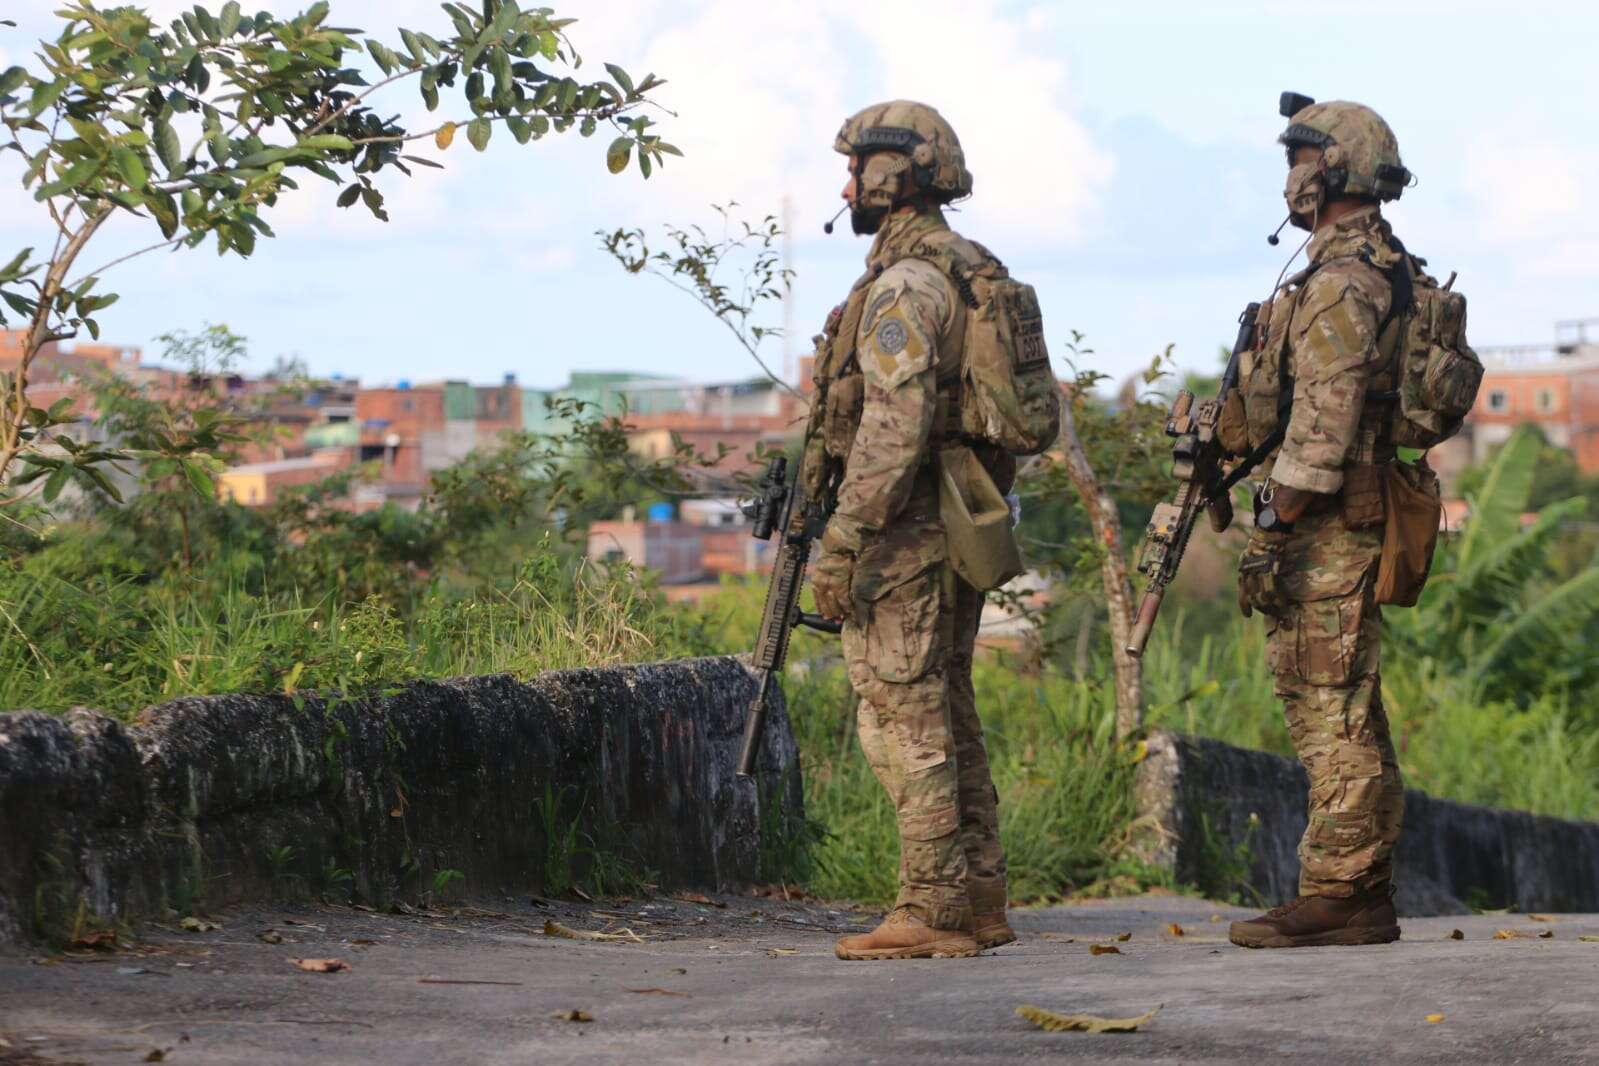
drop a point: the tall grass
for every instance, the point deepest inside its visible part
(121, 646)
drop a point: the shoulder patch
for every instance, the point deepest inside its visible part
(891, 336)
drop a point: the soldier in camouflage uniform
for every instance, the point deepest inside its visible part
(879, 412)
(1310, 566)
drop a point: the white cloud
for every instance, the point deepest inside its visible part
(1531, 195)
(759, 91)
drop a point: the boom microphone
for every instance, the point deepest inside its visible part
(1272, 240)
(827, 227)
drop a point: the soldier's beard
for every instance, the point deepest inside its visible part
(866, 221)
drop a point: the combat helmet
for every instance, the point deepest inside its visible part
(917, 132)
(1360, 150)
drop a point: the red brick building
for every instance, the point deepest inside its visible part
(1555, 387)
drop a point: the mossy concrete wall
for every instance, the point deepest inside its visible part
(219, 799)
(1205, 804)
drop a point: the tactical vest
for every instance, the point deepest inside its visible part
(971, 407)
(1426, 378)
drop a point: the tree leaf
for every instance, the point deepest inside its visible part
(478, 132)
(167, 146)
(130, 166)
(616, 155)
(621, 77)
(1052, 1022)
(445, 136)
(58, 480)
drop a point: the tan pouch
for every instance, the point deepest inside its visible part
(846, 399)
(1361, 499)
(1410, 533)
(982, 546)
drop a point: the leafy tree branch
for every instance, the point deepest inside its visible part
(197, 130)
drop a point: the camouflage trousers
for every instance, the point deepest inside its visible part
(1324, 647)
(910, 663)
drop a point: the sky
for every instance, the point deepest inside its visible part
(1125, 158)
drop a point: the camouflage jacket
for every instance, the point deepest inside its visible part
(878, 375)
(1322, 330)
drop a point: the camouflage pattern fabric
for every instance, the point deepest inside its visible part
(1323, 632)
(909, 634)
(1324, 333)
(1324, 648)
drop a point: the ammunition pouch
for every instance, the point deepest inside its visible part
(846, 399)
(1361, 498)
(977, 521)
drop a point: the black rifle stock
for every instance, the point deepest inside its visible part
(1197, 462)
(775, 511)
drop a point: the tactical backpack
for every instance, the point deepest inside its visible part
(1435, 372)
(1008, 395)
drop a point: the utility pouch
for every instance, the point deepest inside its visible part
(1232, 429)
(846, 399)
(1410, 533)
(1260, 586)
(976, 517)
(1361, 498)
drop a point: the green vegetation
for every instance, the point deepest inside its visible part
(196, 130)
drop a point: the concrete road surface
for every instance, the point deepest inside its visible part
(755, 981)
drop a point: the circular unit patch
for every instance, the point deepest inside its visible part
(891, 336)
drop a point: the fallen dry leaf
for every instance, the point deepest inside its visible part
(1215, 917)
(1124, 937)
(782, 951)
(1456, 934)
(554, 928)
(362, 941)
(1541, 917)
(1174, 929)
(656, 992)
(1547, 934)
(1507, 934)
(1434, 1019)
(1104, 949)
(1589, 939)
(702, 900)
(97, 940)
(573, 1016)
(321, 965)
(156, 1055)
(269, 936)
(1062, 938)
(199, 925)
(678, 970)
(1049, 1021)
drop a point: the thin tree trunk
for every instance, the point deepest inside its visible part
(1113, 572)
(39, 334)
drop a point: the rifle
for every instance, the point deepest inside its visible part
(774, 509)
(1197, 458)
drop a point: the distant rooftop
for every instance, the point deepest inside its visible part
(282, 466)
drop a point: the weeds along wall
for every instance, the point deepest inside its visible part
(611, 775)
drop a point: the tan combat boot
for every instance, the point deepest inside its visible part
(903, 935)
(989, 927)
(1318, 921)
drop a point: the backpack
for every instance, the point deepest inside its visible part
(1435, 372)
(1008, 395)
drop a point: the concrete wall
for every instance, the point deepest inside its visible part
(191, 803)
(1201, 797)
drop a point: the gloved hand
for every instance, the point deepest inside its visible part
(830, 584)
